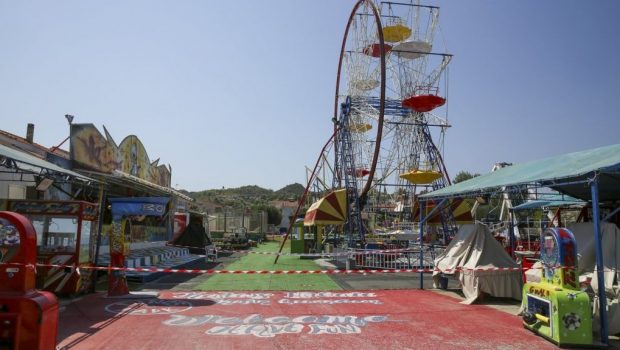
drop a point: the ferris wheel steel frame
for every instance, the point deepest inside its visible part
(377, 106)
(382, 86)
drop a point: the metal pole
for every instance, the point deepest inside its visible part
(102, 200)
(600, 275)
(422, 207)
(511, 232)
(243, 218)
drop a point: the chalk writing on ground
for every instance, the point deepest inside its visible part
(153, 306)
(267, 327)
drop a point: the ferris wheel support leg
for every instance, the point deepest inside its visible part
(303, 197)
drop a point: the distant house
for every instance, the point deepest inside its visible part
(287, 208)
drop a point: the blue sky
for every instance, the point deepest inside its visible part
(233, 93)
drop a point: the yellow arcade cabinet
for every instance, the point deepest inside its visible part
(555, 307)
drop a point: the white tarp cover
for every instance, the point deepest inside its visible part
(475, 248)
(584, 235)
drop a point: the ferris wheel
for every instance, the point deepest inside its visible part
(390, 116)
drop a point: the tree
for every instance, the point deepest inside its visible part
(463, 175)
(274, 215)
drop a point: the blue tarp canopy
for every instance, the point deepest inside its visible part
(550, 201)
(590, 175)
(567, 174)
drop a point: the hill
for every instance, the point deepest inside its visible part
(290, 192)
(245, 196)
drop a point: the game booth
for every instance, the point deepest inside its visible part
(556, 308)
(63, 230)
(28, 317)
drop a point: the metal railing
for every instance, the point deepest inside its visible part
(378, 259)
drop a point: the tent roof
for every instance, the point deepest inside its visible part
(28, 163)
(329, 210)
(565, 173)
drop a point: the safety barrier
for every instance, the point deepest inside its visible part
(405, 259)
(275, 272)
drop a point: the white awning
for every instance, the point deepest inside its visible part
(26, 162)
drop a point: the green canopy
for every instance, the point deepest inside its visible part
(565, 173)
(550, 201)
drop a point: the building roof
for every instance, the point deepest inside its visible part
(123, 179)
(565, 173)
(21, 143)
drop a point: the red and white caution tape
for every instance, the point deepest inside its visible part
(276, 272)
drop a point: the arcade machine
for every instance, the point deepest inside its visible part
(555, 307)
(28, 317)
(63, 232)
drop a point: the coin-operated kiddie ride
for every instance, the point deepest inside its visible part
(28, 317)
(555, 307)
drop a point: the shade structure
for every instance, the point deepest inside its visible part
(396, 33)
(421, 177)
(564, 173)
(424, 103)
(29, 163)
(461, 212)
(550, 201)
(412, 49)
(329, 210)
(374, 50)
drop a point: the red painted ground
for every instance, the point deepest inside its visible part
(386, 319)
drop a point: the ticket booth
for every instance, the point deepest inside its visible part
(63, 230)
(303, 238)
(555, 307)
(28, 317)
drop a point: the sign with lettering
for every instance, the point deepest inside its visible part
(283, 312)
(260, 326)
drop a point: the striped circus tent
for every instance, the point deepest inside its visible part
(329, 210)
(460, 210)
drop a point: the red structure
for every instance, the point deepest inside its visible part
(63, 230)
(424, 103)
(374, 50)
(28, 317)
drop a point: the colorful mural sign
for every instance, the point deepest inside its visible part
(9, 240)
(90, 150)
(89, 211)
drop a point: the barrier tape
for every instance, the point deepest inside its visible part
(276, 272)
